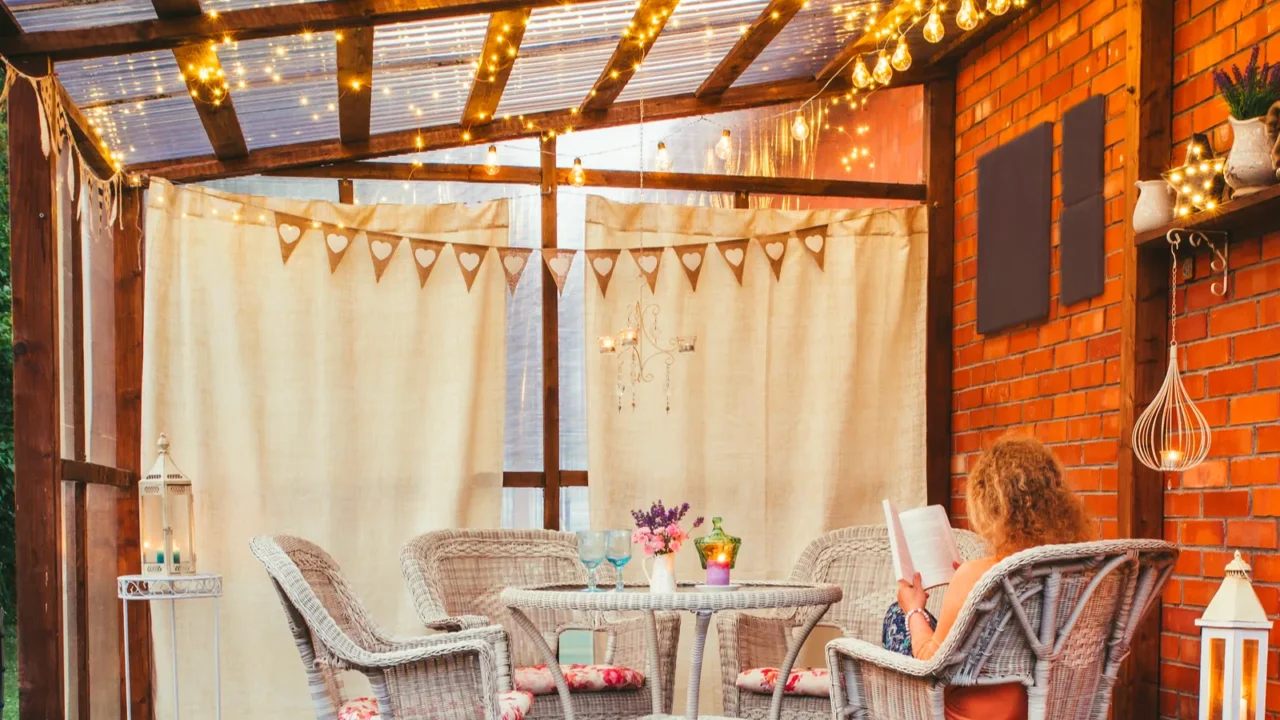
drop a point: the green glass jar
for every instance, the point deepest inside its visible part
(717, 543)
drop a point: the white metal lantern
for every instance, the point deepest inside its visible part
(1233, 650)
(167, 514)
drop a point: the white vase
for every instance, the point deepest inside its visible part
(663, 577)
(1154, 207)
(1249, 167)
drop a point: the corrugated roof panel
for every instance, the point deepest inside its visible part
(119, 80)
(812, 38)
(422, 71)
(224, 5)
(285, 89)
(38, 15)
(161, 129)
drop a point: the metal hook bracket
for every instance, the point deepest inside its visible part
(1216, 241)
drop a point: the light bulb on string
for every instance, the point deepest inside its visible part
(967, 15)
(861, 77)
(934, 30)
(884, 71)
(491, 161)
(999, 7)
(724, 147)
(577, 177)
(901, 55)
(800, 128)
(662, 161)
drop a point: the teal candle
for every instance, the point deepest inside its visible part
(160, 557)
(177, 556)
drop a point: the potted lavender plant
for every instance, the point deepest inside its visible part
(1249, 94)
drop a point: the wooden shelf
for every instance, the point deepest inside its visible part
(1250, 215)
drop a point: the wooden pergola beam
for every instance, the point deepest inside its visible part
(249, 24)
(869, 40)
(9, 26)
(753, 42)
(650, 18)
(355, 83)
(501, 45)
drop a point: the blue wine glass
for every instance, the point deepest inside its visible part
(619, 552)
(591, 552)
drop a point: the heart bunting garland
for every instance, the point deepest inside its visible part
(603, 263)
(559, 263)
(648, 260)
(425, 254)
(337, 238)
(289, 230)
(691, 257)
(514, 261)
(775, 248)
(381, 248)
(469, 258)
(734, 253)
(814, 240)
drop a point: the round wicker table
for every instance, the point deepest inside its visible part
(751, 596)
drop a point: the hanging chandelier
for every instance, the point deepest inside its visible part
(638, 347)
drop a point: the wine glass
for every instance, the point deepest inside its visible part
(619, 552)
(591, 552)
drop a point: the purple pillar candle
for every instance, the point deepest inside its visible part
(718, 571)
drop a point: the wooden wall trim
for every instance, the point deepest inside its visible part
(940, 159)
(87, 473)
(771, 21)
(37, 402)
(497, 56)
(355, 84)
(550, 346)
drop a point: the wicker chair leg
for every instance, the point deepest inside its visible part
(655, 672)
(553, 662)
(695, 663)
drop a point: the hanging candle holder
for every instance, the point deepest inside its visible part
(1171, 435)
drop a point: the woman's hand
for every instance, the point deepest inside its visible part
(911, 595)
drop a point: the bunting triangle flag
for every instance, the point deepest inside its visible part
(815, 241)
(559, 263)
(514, 261)
(603, 263)
(425, 255)
(289, 230)
(337, 238)
(734, 253)
(691, 257)
(775, 248)
(469, 258)
(381, 248)
(648, 260)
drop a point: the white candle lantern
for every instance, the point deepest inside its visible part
(166, 514)
(1233, 650)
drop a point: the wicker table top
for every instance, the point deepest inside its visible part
(750, 596)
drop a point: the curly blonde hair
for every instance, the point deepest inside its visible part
(1017, 498)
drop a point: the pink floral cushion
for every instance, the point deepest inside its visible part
(580, 678)
(815, 682)
(514, 705)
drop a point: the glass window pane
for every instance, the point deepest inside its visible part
(575, 510)
(1248, 678)
(522, 508)
(1217, 662)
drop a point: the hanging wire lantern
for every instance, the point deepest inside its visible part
(1171, 435)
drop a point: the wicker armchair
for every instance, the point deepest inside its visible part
(857, 559)
(462, 573)
(1057, 618)
(453, 676)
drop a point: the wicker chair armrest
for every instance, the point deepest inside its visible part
(457, 623)
(418, 651)
(862, 651)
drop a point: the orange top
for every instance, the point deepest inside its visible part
(988, 702)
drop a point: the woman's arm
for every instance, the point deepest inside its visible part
(925, 640)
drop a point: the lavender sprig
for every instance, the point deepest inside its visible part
(1249, 93)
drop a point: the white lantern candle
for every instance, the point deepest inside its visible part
(1233, 650)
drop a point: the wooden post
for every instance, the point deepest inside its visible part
(742, 200)
(550, 348)
(1143, 320)
(37, 403)
(128, 243)
(940, 157)
(346, 192)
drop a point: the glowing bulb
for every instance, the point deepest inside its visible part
(724, 147)
(967, 15)
(491, 161)
(662, 161)
(934, 29)
(800, 128)
(998, 7)
(576, 176)
(901, 55)
(861, 78)
(884, 71)
(1177, 177)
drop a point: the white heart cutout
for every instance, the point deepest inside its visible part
(560, 265)
(734, 256)
(774, 250)
(691, 260)
(337, 243)
(814, 243)
(648, 263)
(424, 256)
(513, 263)
(469, 260)
(290, 233)
(381, 249)
(603, 265)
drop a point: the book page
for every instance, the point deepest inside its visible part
(931, 543)
(902, 564)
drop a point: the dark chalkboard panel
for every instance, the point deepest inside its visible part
(1080, 236)
(1015, 192)
(1083, 128)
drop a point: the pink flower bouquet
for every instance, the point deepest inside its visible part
(658, 531)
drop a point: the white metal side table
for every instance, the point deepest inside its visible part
(172, 588)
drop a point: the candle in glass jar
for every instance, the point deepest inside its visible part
(1170, 459)
(177, 556)
(718, 570)
(607, 344)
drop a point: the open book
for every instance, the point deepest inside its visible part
(922, 542)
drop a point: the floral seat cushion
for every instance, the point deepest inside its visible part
(580, 678)
(814, 682)
(513, 705)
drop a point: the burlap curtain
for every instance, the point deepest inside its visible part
(351, 412)
(803, 406)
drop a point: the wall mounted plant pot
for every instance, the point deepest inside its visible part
(1154, 207)
(1249, 167)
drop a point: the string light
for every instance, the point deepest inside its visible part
(884, 71)
(999, 7)
(724, 147)
(967, 16)
(491, 161)
(934, 29)
(800, 128)
(901, 55)
(577, 177)
(662, 161)
(861, 77)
